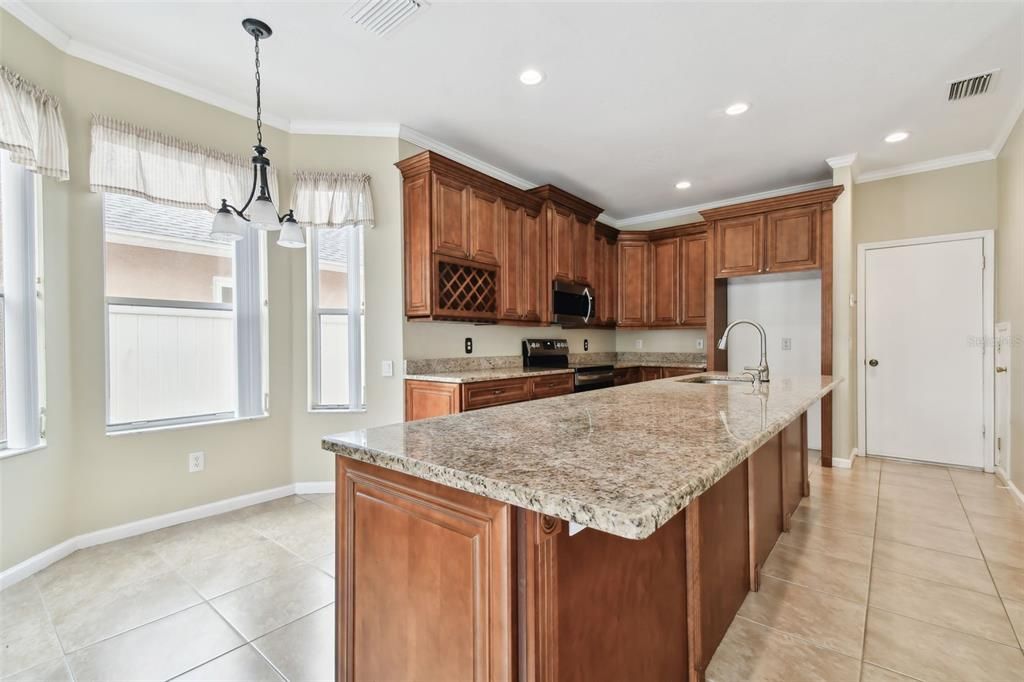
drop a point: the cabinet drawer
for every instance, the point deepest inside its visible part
(667, 372)
(490, 393)
(550, 385)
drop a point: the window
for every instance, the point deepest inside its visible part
(183, 345)
(338, 313)
(20, 300)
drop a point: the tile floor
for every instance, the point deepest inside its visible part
(891, 572)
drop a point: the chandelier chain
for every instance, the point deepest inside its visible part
(259, 103)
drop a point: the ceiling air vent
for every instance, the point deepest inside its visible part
(971, 87)
(383, 16)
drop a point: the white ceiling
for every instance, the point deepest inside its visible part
(634, 92)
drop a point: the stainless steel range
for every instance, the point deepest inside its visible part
(554, 354)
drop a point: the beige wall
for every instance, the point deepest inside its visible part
(947, 201)
(1010, 281)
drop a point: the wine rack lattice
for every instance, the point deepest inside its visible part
(465, 289)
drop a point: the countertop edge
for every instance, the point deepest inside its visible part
(636, 526)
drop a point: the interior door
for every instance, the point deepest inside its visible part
(1003, 374)
(924, 379)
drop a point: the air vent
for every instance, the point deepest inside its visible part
(384, 16)
(971, 87)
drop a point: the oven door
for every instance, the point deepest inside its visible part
(572, 305)
(588, 380)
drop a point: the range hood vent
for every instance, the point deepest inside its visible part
(384, 16)
(971, 86)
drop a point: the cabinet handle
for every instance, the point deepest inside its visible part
(497, 391)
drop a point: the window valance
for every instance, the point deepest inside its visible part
(332, 199)
(31, 126)
(128, 159)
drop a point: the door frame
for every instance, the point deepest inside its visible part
(1001, 327)
(988, 327)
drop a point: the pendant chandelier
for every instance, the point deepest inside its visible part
(261, 214)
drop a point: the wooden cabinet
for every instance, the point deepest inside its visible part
(694, 279)
(536, 285)
(739, 246)
(627, 375)
(667, 372)
(665, 283)
(650, 373)
(793, 240)
(786, 240)
(633, 286)
(484, 218)
(571, 232)
(561, 233)
(451, 217)
(425, 399)
(583, 252)
(520, 259)
(551, 385)
(491, 393)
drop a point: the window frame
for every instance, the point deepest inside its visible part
(241, 385)
(31, 388)
(356, 336)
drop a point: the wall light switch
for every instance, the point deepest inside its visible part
(638, 344)
(387, 368)
(196, 462)
(787, 343)
(700, 344)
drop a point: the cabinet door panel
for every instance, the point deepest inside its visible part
(490, 393)
(536, 285)
(632, 284)
(560, 238)
(483, 227)
(511, 290)
(611, 280)
(451, 219)
(425, 399)
(583, 252)
(665, 282)
(651, 373)
(694, 278)
(739, 246)
(793, 239)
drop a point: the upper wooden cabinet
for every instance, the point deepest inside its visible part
(484, 218)
(665, 283)
(780, 234)
(451, 217)
(571, 232)
(606, 275)
(633, 284)
(521, 264)
(561, 234)
(694, 278)
(583, 247)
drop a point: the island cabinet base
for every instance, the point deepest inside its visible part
(436, 583)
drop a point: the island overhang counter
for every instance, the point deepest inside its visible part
(459, 554)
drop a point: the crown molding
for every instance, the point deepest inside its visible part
(925, 166)
(697, 208)
(842, 161)
(426, 142)
(350, 128)
(1008, 126)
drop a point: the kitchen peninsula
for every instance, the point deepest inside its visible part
(603, 535)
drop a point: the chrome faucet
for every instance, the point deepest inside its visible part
(761, 369)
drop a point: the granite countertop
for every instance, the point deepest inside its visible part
(623, 460)
(663, 363)
(470, 376)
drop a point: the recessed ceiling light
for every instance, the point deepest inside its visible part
(897, 136)
(683, 184)
(737, 109)
(531, 77)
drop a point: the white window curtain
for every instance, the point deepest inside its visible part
(332, 199)
(31, 126)
(128, 159)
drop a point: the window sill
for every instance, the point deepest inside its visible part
(14, 452)
(187, 425)
(336, 410)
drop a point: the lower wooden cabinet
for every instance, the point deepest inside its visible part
(627, 375)
(425, 399)
(667, 372)
(632, 375)
(650, 373)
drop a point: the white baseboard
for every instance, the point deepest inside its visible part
(1014, 490)
(840, 463)
(38, 562)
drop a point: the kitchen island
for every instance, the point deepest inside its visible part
(607, 535)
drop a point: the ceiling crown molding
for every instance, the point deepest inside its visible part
(925, 166)
(426, 142)
(697, 208)
(351, 128)
(842, 161)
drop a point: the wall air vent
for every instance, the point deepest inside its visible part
(384, 16)
(971, 86)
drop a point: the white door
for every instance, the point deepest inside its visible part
(1003, 396)
(924, 351)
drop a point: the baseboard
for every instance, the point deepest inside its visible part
(38, 562)
(1014, 490)
(840, 463)
(314, 487)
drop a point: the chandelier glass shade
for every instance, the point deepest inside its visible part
(258, 211)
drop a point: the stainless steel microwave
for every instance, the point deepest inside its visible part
(572, 305)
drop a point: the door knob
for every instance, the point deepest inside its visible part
(1000, 370)
(873, 362)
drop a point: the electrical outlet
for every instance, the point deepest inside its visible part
(586, 345)
(196, 462)
(787, 343)
(700, 344)
(638, 344)
(469, 344)
(387, 368)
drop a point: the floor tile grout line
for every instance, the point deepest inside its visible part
(813, 589)
(947, 627)
(800, 638)
(940, 582)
